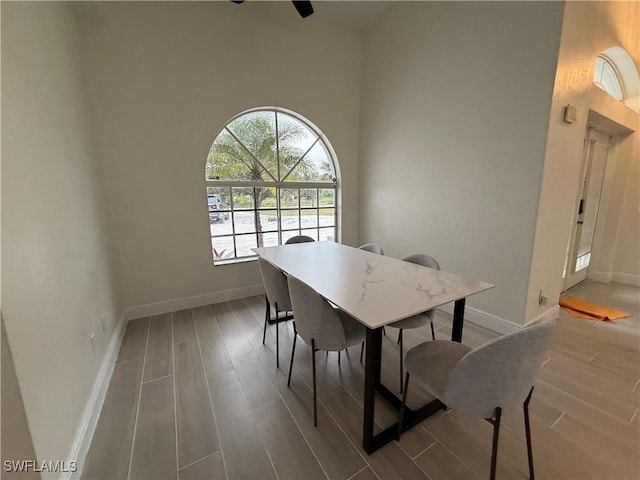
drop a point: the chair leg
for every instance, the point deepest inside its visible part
(404, 402)
(277, 338)
(339, 352)
(313, 366)
(401, 359)
(494, 448)
(293, 350)
(433, 332)
(527, 429)
(267, 312)
(361, 351)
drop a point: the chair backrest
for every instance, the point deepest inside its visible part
(422, 259)
(315, 317)
(372, 247)
(425, 261)
(499, 373)
(275, 285)
(299, 239)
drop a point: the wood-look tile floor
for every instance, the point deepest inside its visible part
(195, 394)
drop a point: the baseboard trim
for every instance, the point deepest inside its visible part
(607, 277)
(626, 278)
(551, 314)
(604, 277)
(176, 304)
(484, 319)
(91, 414)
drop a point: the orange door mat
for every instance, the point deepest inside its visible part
(577, 307)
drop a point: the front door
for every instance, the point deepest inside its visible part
(594, 162)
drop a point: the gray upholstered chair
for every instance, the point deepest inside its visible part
(372, 247)
(276, 295)
(421, 319)
(321, 326)
(483, 381)
(299, 239)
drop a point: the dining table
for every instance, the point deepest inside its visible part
(376, 290)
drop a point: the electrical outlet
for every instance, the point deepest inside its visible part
(542, 299)
(103, 324)
(94, 345)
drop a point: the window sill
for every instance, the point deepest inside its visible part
(233, 261)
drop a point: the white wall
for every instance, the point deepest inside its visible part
(588, 29)
(163, 79)
(456, 99)
(55, 267)
(15, 437)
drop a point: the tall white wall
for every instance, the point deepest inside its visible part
(163, 79)
(456, 100)
(588, 29)
(57, 282)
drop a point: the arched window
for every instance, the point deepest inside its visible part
(270, 175)
(606, 77)
(616, 73)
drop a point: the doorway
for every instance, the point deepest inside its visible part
(594, 162)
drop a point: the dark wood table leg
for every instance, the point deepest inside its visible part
(371, 381)
(458, 320)
(372, 384)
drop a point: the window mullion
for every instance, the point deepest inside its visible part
(277, 148)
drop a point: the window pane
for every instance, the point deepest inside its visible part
(242, 198)
(244, 244)
(308, 197)
(610, 82)
(294, 140)
(222, 194)
(327, 197)
(222, 248)
(606, 77)
(597, 71)
(290, 219)
(310, 233)
(218, 203)
(289, 198)
(315, 166)
(244, 221)
(266, 197)
(257, 135)
(327, 217)
(229, 160)
(219, 224)
(287, 235)
(328, 234)
(268, 220)
(269, 239)
(308, 218)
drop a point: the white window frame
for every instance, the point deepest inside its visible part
(610, 66)
(282, 184)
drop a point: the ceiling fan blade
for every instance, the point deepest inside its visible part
(304, 8)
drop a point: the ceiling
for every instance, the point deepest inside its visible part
(348, 14)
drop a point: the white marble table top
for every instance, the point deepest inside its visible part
(374, 289)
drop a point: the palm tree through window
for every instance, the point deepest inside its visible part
(270, 175)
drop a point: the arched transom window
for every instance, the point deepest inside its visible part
(616, 73)
(606, 77)
(270, 175)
